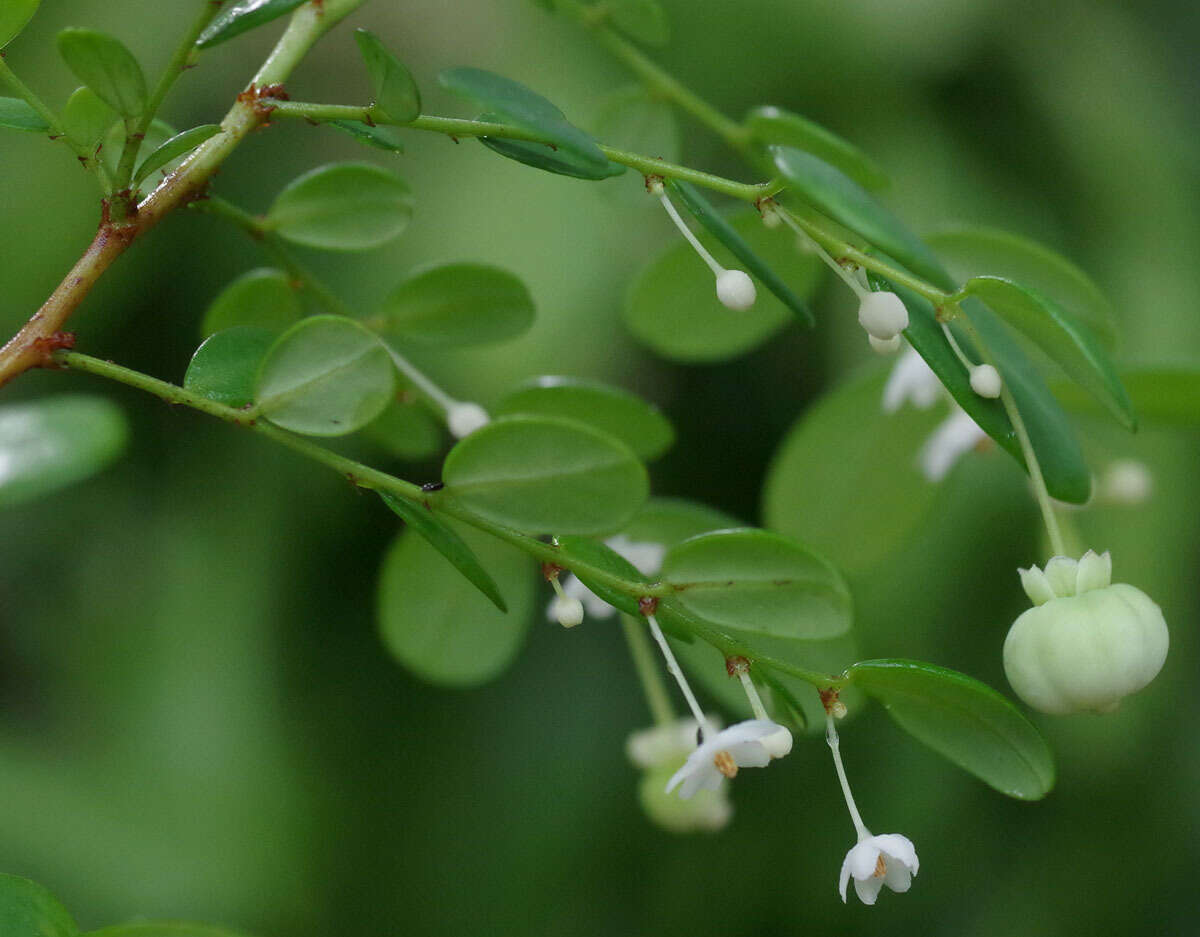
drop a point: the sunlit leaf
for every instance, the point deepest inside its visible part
(225, 367)
(29, 910)
(242, 15)
(325, 376)
(103, 63)
(673, 308)
(640, 425)
(14, 14)
(768, 124)
(179, 145)
(457, 304)
(546, 475)
(439, 628)
(54, 442)
(263, 298)
(963, 720)
(395, 92)
(344, 207)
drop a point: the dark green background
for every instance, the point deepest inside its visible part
(196, 717)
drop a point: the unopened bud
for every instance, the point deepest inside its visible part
(985, 381)
(735, 289)
(567, 611)
(884, 346)
(883, 315)
(464, 418)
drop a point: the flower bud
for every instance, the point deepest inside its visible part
(1087, 642)
(735, 289)
(985, 381)
(883, 315)
(567, 611)
(883, 346)
(464, 418)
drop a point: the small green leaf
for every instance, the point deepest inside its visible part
(633, 119)
(454, 304)
(515, 104)
(29, 910)
(263, 298)
(835, 194)
(163, 929)
(443, 539)
(179, 145)
(546, 475)
(85, 118)
(407, 429)
(225, 367)
(728, 235)
(439, 629)
(158, 133)
(1061, 336)
(963, 720)
(1164, 394)
(325, 376)
(16, 114)
(380, 137)
(858, 508)
(542, 156)
(54, 442)
(668, 521)
(396, 93)
(342, 207)
(769, 124)
(103, 63)
(241, 16)
(603, 557)
(758, 583)
(673, 308)
(638, 424)
(970, 251)
(644, 20)
(14, 14)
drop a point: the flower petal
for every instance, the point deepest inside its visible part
(912, 381)
(1095, 572)
(953, 437)
(868, 890)
(863, 858)
(1036, 586)
(1061, 573)
(897, 877)
(844, 878)
(750, 755)
(898, 847)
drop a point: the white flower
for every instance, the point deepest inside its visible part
(464, 417)
(883, 315)
(646, 559)
(649, 748)
(888, 859)
(566, 610)
(1125, 481)
(986, 381)
(911, 381)
(953, 437)
(735, 289)
(749, 744)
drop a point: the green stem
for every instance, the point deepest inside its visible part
(366, 477)
(183, 56)
(1031, 460)
(646, 665)
(27, 94)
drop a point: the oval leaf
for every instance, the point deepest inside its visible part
(14, 14)
(770, 124)
(85, 118)
(970, 251)
(543, 156)
(835, 194)
(638, 424)
(262, 298)
(457, 304)
(728, 235)
(325, 376)
(241, 16)
(439, 629)
(442, 538)
(673, 308)
(515, 104)
(758, 583)
(546, 475)
(103, 63)
(225, 367)
(380, 137)
(963, 720)
(1061, 336)
(54, 442)
(343, 207)
(396, 93)
(29, 910)
(16, 114)
(179, 145)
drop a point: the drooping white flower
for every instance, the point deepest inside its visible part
(874, 861)
(911, 381)
(950, 440)
(748, 744)
(646, 558)
(660, 751)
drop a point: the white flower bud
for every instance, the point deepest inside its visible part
(770, 217)
(883, 346)
(778, 743)
(735, 289)
(882, 315)
(1087, 642)
(985, 381)
(567, 611)
(463, 418)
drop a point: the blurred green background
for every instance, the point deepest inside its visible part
(197, 719)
